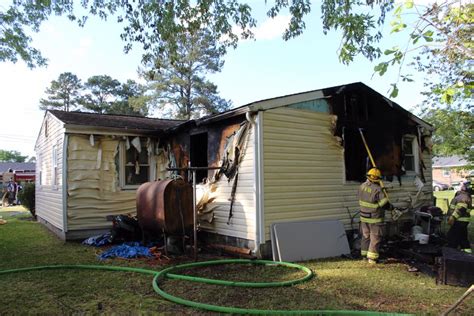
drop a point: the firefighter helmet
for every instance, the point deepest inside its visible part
(374, 174)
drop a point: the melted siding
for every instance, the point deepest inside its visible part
(92, 191)
(304, 171)
(49, 200)
(242, 224)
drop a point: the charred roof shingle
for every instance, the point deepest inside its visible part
(114, 121)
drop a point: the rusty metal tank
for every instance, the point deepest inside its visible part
(165, 206)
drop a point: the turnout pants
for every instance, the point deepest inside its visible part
(371, 239)
(457, 236)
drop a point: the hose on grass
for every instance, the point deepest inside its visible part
(166, 273)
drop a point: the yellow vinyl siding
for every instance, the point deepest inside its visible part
(304, 171)
(93, 191)
(242, 224)
(49, 197)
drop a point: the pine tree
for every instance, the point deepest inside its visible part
(177, 76)
(63, 93)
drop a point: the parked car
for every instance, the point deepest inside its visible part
(438, 186)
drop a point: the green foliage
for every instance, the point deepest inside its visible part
(130, 100)
(63, 93)
(454, 130)
(11, 156)
(27, 198)
(439, 34)
(442, 47)
(102, 91)
(106, 95)
(177, 73)
(99, 94)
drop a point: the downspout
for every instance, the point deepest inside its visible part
(256, 120)
(64, 179)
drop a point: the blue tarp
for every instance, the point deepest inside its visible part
(126, 250)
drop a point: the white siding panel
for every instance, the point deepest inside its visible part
(242, 224)
(304, 171)
(49, 197)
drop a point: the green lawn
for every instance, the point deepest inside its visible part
(339, 283)
(443, 198)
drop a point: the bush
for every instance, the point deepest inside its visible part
(27, 198)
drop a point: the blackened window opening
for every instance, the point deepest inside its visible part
(355, 156)
(198, 154)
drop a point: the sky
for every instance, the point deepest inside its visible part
(258, 69)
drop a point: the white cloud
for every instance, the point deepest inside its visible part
(272, 28)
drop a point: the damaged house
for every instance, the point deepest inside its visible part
(298, 157)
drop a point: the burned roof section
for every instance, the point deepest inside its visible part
(126, 122)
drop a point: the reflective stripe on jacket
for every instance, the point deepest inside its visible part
(462, 205)
(371, 202)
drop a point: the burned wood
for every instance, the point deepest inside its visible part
(455, 268)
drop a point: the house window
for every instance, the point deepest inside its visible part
(446, 173)
(54, 166)
(134, 164)
(355, 156)
(198, 154)
(410, 152)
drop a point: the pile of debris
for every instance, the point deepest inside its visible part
(422, 246)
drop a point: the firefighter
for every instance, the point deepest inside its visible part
(372, 202)
(460, 214)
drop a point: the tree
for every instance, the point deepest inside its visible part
(441, 44)
(177, 76)
(131, 100)
(63, 93)
(102, 92)
(154, 24)
(108, 96)
(11, 156)
(453, 134)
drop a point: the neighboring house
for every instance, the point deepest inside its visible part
(301, 158)
(21, 171)
(451, 170)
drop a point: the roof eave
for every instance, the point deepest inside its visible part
(120, 131)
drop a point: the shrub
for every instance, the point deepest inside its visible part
(27, 198)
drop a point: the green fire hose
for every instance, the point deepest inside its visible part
(166, 273)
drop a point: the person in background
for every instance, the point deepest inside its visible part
(460, 215)
(372, 202)
(19, 187)
(11, 189)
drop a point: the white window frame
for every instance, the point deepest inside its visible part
(446, 173)
(122, 161)
(54, 166)
(415, 154)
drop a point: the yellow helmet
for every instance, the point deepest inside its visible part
(374, 174)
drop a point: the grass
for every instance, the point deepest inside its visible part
(443, 198)
(339, 283)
